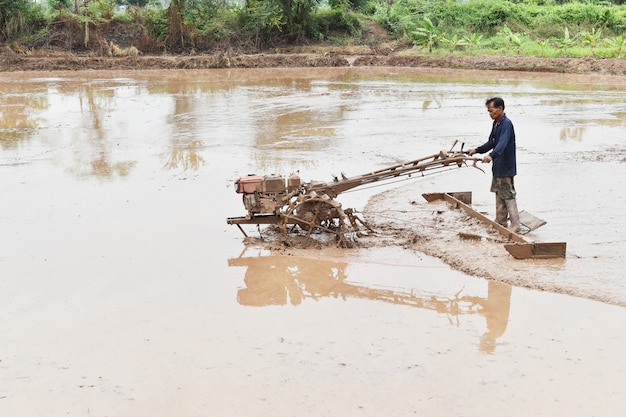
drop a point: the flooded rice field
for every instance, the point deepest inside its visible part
(123, 292)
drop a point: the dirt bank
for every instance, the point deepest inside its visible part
(304, 57)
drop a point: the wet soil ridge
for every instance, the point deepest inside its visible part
(13, 61)
(467, 245)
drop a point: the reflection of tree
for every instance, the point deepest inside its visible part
(95, 105)
(431, 98)
(103, 168)
(184, 149)
(278, 280)
(575, 133)
(297, 120)
(185, 155)
(17, 118)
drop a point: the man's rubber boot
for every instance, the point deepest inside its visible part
(501, 211)
(511, 205)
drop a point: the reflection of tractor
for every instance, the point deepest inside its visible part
(311, 206)
(282, 280)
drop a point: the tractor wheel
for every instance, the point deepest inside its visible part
(315, 214)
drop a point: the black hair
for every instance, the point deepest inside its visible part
(497, 102)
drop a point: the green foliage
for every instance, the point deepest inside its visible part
(96, 11)
(426, 34)
(452, 42)
(123, 17)
(262, 19)
(156, 22)
(591, 38)
(489, 16)
(59, 5)
(137, 3)
(565, 42)
(19, 18)
(543, 44)
(514, 40)
(370, 7)
(540, 27)
(202, 14)
(349, 4)
(336, 20)
(296, 15)
(472, 41)
(578, 14)
(618, 43)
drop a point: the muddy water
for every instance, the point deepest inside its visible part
(123, 291)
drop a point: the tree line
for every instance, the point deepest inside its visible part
(524, 27)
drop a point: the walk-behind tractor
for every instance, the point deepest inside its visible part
(312, 207)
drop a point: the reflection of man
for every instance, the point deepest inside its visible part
(496, 311)
(501, 143)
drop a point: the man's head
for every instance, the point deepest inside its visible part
(495, 107)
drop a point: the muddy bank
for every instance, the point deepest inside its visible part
(12, 61)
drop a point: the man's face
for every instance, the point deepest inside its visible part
(494, 112)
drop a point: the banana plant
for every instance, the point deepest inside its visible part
(618, 42)
(452, 42)
(513, 39)
(427, 34)
(591, 38)
(542, 44)
(472, 41)
(565, 42)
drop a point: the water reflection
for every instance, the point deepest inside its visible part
(94, 148)
(184, 149)
(18, 114)
(185, 155)
(302, 118)
(432, 100)
(281, 280)
(572, 133)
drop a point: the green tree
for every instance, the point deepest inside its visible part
(176, 32)
(137, 3)
(297, 15)
(60, 5)
(93, 13)
(13, 18)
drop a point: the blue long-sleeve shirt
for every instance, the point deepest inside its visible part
(502, 141)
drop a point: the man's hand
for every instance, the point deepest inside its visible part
(487, 159)
(471, 151)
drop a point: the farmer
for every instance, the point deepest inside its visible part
(502, 145)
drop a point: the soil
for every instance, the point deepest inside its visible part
(320, 57)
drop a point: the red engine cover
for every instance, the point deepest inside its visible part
(248, 184)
